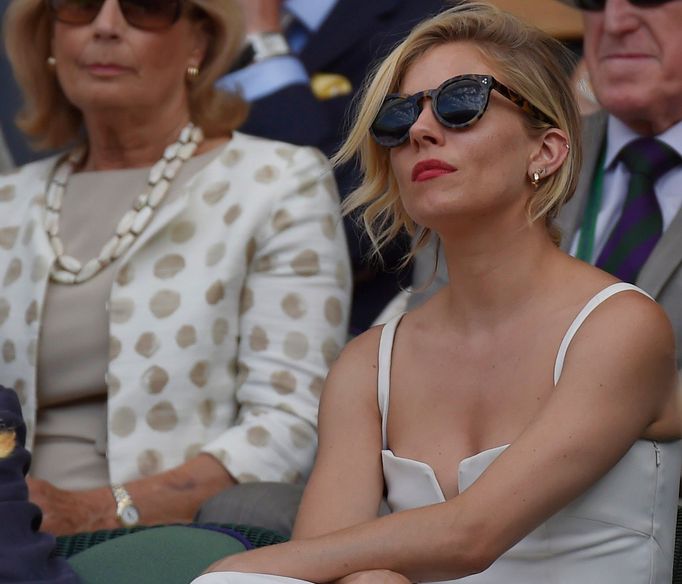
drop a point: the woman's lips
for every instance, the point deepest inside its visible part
(106, 69)
(429, 169)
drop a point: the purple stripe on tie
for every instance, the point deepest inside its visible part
(633, 214)
(632, 265)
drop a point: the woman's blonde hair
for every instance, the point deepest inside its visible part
(53, 122)
(530, 62)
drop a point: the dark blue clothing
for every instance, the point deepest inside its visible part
(25, 553)
(355, 35)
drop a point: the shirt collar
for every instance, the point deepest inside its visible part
(618, 135)
(312, 13)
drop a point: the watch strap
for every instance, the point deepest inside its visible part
(122, 498)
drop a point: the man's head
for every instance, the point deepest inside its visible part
(633, 50)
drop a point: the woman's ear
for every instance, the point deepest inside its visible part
(200, 45)
(550, 154)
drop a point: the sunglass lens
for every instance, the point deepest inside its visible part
(76, 11)
(393, 122)
(150, 14)
(462, 102)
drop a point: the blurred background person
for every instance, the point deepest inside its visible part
(173, 291)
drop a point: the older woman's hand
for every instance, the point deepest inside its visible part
(262, 15)
(66, 512)
(374, 577)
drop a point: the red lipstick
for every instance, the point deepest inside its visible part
(428, 169)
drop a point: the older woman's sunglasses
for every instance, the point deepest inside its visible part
(598, 5)
(457, 103)
(144, 14)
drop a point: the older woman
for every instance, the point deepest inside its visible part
(172, 291)
(523, 419)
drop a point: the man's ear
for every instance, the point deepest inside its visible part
(552, 150)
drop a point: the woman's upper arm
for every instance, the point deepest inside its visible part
(346, 485)
(294, 308)
(619, 378)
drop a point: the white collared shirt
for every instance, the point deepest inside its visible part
(616, 177)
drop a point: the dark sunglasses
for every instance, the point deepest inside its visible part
(458, 103)
(598, 5)
(144, 14)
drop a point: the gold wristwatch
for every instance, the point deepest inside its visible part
(126, 511)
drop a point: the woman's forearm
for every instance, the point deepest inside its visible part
(177, 494)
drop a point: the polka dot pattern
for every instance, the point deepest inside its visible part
(258, 436)
(149, 462)
(121, 310)
(169, 266)
(301, 435)
(8, 237)
(13, 272)
(215, 293)
(7, 194)
(296, 346)
(164, 303)
(31, 314)
(215, 254)
(125, 275)
(4, 310)
(186, 336)
(283, 382)
(9, 351)
(258, 341)
(199, 373)
(147, 345)
(155, 379)
(306, 264)
(333, 311)
(114, 348)
(220, 317)
(316, 386)
(123, 422)
(207, 412)
(182, 232)
(215, 193)
(232, 214)
(162, 417)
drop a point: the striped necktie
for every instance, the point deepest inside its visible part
(641, 223)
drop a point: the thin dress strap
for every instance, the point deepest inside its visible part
(595, 301)
(384, 372)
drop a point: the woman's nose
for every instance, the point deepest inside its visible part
(109, 20)
(426, 128)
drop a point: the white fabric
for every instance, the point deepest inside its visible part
(620, 531)
(616, 178)
(241, 287)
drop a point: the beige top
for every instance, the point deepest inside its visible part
(71, 429)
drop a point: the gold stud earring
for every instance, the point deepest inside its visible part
(535, 179)
(51, 62)
(192, 73)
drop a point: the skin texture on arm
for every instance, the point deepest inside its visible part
(626, 370)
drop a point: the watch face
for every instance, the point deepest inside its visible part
(129, 516)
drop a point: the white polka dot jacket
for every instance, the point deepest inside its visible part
(253, 320)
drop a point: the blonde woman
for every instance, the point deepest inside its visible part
(173, 291)
(523, 420)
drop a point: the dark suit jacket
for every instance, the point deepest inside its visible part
(10, 102)
(355, 35)
(661, 275)
(25, 554)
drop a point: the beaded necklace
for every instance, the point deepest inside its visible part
(67, 269)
